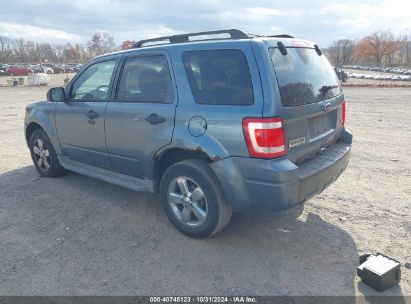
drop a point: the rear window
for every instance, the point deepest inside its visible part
(304, 77)
(219, 77)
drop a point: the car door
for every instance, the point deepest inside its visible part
(140, 119)
(80, 119)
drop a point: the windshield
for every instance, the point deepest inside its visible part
(304, 77)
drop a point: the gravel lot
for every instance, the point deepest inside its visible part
(75, 235)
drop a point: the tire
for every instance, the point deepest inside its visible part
(212, 203)
(41, 148)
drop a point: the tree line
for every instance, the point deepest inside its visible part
(380, 48)
(24, 51)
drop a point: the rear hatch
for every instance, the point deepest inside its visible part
(311, 99)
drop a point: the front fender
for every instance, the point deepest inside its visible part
(42, 114)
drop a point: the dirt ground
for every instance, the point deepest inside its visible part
(76, 235)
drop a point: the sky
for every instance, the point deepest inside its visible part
(320, 21)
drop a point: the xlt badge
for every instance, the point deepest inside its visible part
(296, 142)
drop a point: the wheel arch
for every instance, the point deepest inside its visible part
(31, 127)
(38, 119)
(171, 156)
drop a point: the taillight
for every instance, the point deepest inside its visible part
(343, 113)
(264, 137)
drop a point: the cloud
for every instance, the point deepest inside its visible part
(317, 20)
(35, 33)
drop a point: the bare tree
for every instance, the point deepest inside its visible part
(45, 52)
(71, 53)
(58, 50)
(83, 55)
(108, 43)
(5, 49)
(341, 51)
(101, 44)
(20, 50)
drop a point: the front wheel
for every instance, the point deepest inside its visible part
(43, 155)
(193, 199)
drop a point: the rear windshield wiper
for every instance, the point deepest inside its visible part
(325, 89)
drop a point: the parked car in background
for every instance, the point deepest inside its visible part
(56, 69)
(4, 69)
(213, 126)
(67, 68)
(19, 70)
(395, 70)
(47, 70)
(75, 67)
(342, 75)
(36, 68)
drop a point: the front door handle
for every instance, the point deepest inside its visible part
(92, 115)
(154, 119)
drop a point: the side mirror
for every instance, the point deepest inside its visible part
(56, 94)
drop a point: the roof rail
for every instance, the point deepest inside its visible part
(234, 34)
(282, 36)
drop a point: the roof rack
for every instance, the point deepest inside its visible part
(234, 34)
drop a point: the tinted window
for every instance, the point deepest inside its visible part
(145, 79)
(220, 77)
(302, 76)
(94, 82)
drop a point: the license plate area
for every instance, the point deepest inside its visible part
(322, 125)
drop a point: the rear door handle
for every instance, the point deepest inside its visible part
(92, 115)
(154, 119)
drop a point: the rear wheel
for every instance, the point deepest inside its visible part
(193, 199)
(43, 155)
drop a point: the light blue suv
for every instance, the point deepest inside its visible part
(212, 121)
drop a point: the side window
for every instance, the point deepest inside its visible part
(146, 79)
(219, 77)
(93, 83)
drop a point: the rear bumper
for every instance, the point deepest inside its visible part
(279, 184)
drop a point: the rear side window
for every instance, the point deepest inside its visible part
(219, 77)
(304, 77)
(145, 79)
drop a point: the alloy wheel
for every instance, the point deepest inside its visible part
(41, 155)
(188, 202)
